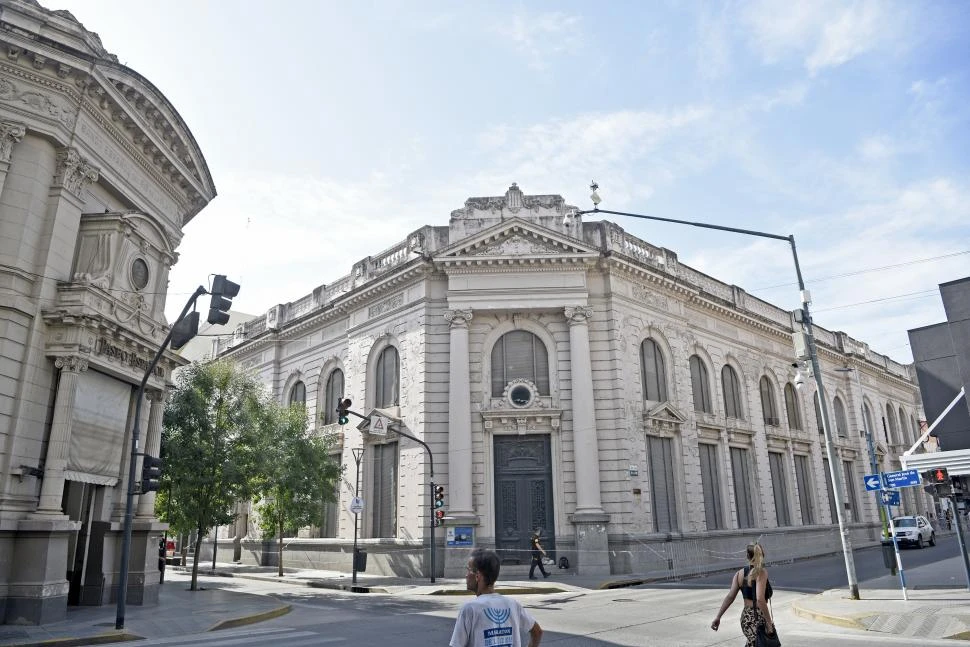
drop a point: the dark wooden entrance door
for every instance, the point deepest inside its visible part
(523, 496)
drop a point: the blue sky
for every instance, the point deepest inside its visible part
(332, 129)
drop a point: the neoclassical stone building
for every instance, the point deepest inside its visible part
(98, 176)
(571, 377)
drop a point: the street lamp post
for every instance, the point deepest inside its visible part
(358, 453)
(806, 322)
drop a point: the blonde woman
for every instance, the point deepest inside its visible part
(752, 582)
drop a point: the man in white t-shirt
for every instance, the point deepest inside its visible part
(491, 619)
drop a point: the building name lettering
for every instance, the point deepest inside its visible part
(103, 347)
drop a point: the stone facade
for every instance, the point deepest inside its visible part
(98, 176)
(575, 443)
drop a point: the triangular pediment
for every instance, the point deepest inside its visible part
(665, 412)
(516, 239)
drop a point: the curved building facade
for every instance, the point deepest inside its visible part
(572, 378)
(98, 177)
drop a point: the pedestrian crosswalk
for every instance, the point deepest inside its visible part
(247, 637)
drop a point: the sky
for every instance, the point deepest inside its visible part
(333, 129)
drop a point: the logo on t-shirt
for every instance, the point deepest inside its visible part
(498, 616)
(498, 637)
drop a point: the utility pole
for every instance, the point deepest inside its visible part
(358, 453)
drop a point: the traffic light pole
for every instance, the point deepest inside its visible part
(129, 503)
(430, 460)
(960, 539)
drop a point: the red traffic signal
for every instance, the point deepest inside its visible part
(939, 476)
(439, 514)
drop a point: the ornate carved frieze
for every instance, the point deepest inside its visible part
(513, 200)
(578, 315)
(386, 305)
(10, 134)
(40, 103)
(73, 171)
(663, 420)
(650, 297)
(458, 318)
(71, 363)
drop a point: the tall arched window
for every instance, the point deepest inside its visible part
(868, 419)
(768, 409)
(792, 408)
(387, 375)
(700, 385)
(652, 371)
(298, 393)
(332, 395)
(519, 355)
(841, 424)
(891, 423)
(818, 415)
(732, 393)
(903, 428)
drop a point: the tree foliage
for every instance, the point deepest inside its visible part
(296, 474)
(210, 434)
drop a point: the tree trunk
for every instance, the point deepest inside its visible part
(280, 559)
(195, 561)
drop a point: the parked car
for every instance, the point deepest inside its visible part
(915, 530)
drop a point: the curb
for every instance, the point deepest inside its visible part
(838, 621)
(242, 621)
(101, 639)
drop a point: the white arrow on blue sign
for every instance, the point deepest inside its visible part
(872, 481)
(902, 478)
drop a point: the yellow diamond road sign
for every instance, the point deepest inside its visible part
(378, 425)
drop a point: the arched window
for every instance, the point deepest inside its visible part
(841, 424)
(387, 376)
(818, 415)
(700, 385)
(298, 394)
(732, 393)
(519, 355)
(768, 409)
(652, 371)
(868, 420)
(792, 408)
(891, 423)
(903, 428)
(332, 395)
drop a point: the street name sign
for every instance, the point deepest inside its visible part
(890, 497)
(902, 478)
(872, 481)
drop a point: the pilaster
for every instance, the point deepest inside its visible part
(10, 134)
(52, 488)
(459, 419)
(153, 445)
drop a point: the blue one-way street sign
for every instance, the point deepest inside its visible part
(902, 478)
(872, 481)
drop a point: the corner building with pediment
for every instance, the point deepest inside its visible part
(98, 177)
(572, 378)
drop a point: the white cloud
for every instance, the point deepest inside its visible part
(543, 36)
(713, 44)
(825, 33)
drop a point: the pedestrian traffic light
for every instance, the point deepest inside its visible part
(343, 405)
(939, 476)
(223, 290)
(185, 329)
(151, 473)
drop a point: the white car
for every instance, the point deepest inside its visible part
(914, 530)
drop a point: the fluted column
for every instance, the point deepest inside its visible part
(153, 445)
(459, 418)
(585, 441)
(10, 134)
(52, 488)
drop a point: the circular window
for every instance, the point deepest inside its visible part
(520, 395)
(139, 273)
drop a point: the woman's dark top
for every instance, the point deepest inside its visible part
(748, 590)
(535, 547)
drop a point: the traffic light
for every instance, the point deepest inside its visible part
(342, 407)
(184, 330)
(151, 473)
(936, 482)
(223, 290)
(939, 476)
(438, 504)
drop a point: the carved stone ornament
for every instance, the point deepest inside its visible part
(578, 314)
(10, 134)
(71, 363)
(73, 171)
(458, 318)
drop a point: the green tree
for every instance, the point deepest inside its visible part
(210, 439)
(296, 475)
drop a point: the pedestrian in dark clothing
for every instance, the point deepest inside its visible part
(538, 552)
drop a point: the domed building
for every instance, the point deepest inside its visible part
(98, 177)
(565, 376)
